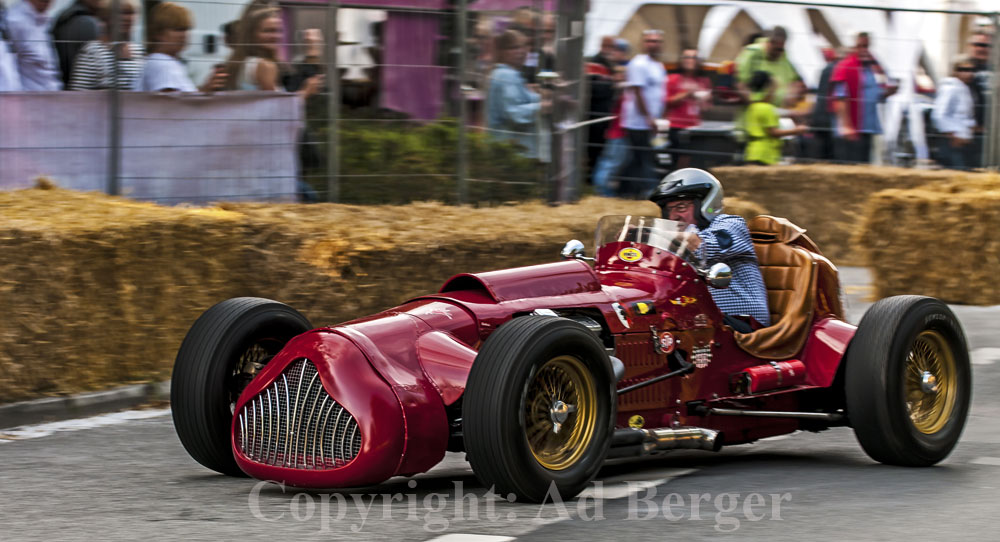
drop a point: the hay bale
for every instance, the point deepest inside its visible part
(827, 200)
(96, 289)
(99, 291)
(937, 240)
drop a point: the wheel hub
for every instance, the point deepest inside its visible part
(928, 383)
(559, 412)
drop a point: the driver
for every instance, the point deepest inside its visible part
(693, 197)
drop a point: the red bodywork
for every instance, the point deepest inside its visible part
(401, 373)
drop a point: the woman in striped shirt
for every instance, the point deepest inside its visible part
(94, 67)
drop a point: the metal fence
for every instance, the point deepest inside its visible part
(420, 99)
(390, 108)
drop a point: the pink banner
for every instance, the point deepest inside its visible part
(175, 147)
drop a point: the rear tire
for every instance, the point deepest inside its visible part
(209, 373)
(908, 381)
(530, 373)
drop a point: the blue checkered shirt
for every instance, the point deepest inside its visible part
(727, 240)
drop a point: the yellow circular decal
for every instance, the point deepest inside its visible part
(630, 254)
(636, 422)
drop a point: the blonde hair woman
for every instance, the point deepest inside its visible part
(94, 67)
(255, 63)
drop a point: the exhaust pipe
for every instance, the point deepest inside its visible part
(639, 442)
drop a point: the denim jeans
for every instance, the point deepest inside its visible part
(608, 165)
(639, 176)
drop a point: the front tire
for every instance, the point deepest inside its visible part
(226, 346)
(908, 381)
(539, 408)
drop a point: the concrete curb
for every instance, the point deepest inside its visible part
(85, 404)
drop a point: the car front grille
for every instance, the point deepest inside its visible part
(294, 423)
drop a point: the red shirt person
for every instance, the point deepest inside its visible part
(689, 93)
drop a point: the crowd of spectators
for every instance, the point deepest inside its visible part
(76, 50)
(642, 119)
(772, 116)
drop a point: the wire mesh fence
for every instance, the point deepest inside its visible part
(475, 100)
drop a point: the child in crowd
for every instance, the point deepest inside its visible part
(164, 71)
(764, 136)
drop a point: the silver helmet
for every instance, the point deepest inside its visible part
(691, 183)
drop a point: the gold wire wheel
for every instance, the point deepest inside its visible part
(930, 385)
(560, 412)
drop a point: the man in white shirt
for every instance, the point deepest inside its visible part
(10, 80)
(28, 30)
(645, 94)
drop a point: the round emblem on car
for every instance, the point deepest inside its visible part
(630, 254)
(636, 422)
(666, 342)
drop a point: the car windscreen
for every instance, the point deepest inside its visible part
(656, 232)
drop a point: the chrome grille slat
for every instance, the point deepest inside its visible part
(302, 415)
(277, 429)
(289, 432)
(322, 438)
(337, 445)
(311, 421)
(270, 423)
(243, 429)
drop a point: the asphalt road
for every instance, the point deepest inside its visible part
(126, 477)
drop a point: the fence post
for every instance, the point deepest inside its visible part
(578, 31)
(114, 106)
(462, 173)
(991, 157)
(332, 104)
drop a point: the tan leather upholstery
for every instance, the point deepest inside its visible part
(792, 268)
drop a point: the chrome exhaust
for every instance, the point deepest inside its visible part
(639, 442)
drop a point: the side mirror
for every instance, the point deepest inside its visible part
(573, 250)
(719, 276)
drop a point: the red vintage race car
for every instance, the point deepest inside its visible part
(539, 374)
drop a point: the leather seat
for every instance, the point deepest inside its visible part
(800, 283)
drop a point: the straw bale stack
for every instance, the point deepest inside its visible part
(91, 286)
(937, 240)
(99, 291)
(828, 200)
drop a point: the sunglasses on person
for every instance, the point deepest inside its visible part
(966, 69)
(983, 44)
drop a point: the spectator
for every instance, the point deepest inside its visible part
(229, 33)
(164, 71)
(979, 55)
(10, 80)
(762, 123)
(309, 65)
(94, 67)
(768, 54)
(255, 64)
(27, 29)
(856, 94)
(600, 71)
(614, 152)
(644, 96)
(954, 113)
(511, 107)
(75, 26)
(822, 119)
(689, 93)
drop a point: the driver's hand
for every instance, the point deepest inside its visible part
(692, 240)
